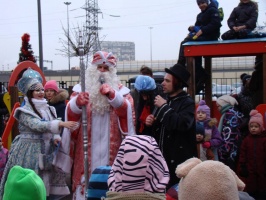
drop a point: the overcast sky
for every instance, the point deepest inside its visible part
(169, 19)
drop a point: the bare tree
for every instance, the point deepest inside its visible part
(73, 39)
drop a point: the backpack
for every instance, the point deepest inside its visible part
(221, 13)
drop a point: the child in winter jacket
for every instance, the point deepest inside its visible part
(213, 137)
(203, 153)
(253, 157)
(229, 127)
(242, 20)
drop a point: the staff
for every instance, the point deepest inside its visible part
(84, 114)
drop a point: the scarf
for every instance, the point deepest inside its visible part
(223, 111)
(145, 113)
(42, 107)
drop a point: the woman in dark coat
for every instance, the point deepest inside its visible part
(147, 89)
(56, 97)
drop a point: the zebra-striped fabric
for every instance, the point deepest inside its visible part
(139, 167)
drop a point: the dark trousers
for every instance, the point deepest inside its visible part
(199, 71)
(231, 34)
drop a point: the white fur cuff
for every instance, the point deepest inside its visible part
(117, 101)
(73, 105)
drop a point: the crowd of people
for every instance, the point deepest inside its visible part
(154, 138)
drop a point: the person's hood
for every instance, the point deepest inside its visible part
(62, 95)
(212, 4)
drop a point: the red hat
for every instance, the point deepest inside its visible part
(102, 57)
(256, 117)
(51, 85)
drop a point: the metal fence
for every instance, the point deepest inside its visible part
(233, 82)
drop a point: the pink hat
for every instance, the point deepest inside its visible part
(51, 85)
(102, 57)
(256, 117)
(204, 108)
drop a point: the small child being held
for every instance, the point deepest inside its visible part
(213, 137)
(253, 157)
(203, 153)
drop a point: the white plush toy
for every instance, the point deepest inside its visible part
(207, 180)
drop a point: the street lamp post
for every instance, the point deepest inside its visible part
(151, 43)
(40, 34)
(68, 52)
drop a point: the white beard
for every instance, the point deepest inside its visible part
(98, 102)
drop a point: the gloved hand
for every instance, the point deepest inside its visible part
(105, 89)
(206, 145)
(82, 99)
(243, 171)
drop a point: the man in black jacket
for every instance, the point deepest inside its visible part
(207, 28)
(174, 121)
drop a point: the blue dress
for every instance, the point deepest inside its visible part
(33, 148)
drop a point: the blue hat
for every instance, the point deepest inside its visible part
(144, 83)
(29, 78)
(200, 128)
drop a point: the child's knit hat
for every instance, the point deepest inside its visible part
(24, 184)
(204, 108)
(256, 117)
(200, 128)
(226, 100)
(51, 85)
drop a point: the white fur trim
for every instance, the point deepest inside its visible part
(130, 123)
(21, 109)
(63, 162)
(55, 126)
(117, 101)
(124, 90)
(73, 105)
(57, 137)
(77, 88)
(41, 164)
(62, 159)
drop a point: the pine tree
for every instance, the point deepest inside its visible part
(26, 52)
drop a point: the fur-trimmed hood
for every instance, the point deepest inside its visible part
(212, 122)
(62, 95)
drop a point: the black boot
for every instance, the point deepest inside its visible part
(200, 78)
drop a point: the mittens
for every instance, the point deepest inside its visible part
(107, 90)
(82, 99)
(206, 145)
(243, 171)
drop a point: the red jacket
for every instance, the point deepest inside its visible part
(253, 155)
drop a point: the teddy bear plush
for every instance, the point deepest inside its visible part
(207, 180)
